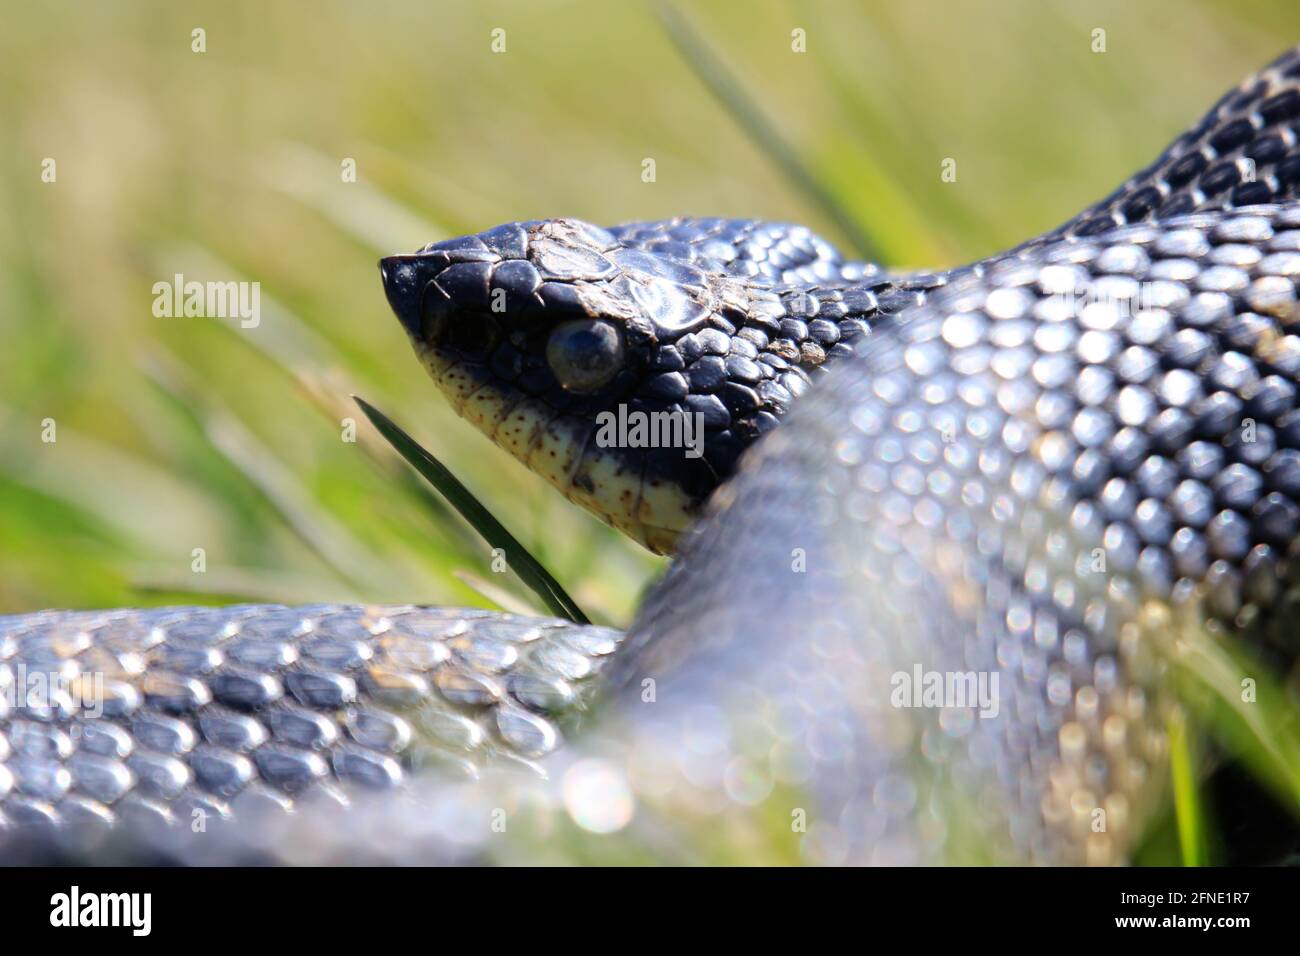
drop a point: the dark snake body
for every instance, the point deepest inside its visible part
(1062, 468)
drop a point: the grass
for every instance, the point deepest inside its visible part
(504, 545)
(1184, 771)
(179, 434)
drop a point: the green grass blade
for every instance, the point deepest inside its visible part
(1245, 707)
(1187, 805)
(714, 74)
(492, 531)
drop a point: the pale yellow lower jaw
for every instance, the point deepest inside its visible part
(560, 449)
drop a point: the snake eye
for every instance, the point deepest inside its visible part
(585, 354)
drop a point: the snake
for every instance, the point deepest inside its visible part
(941, 543)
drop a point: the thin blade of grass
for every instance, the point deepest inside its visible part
(529, 570)
(715, 76)
(1261, 726)
(1187, 804)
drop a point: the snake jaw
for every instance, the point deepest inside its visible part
(617, 485)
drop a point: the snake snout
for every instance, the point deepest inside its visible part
(405, 278)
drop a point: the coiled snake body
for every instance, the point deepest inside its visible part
(1031, 483)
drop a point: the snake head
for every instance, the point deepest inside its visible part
(615, 371)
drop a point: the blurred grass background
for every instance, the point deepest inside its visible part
(175, 433)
